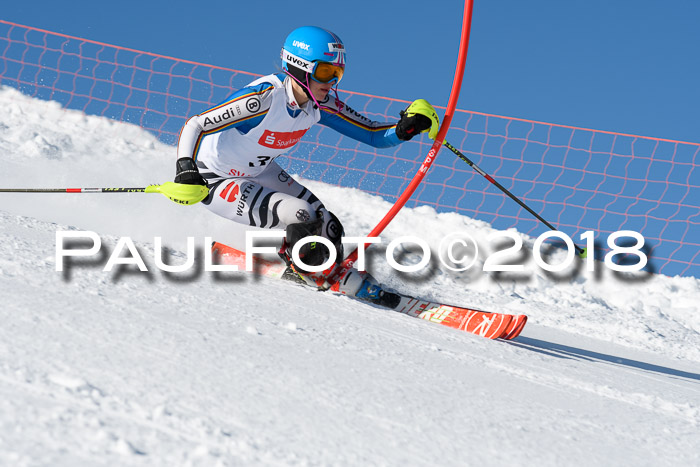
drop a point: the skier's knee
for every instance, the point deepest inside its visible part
(326, 225)
(332, 229)
(293, 211)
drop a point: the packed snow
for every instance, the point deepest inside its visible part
(200, 368)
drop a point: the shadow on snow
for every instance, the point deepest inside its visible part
(565, 351)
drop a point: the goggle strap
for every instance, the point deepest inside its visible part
(338, 102)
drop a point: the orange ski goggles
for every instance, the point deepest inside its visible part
(325, 72)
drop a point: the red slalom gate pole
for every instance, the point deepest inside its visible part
(432, 154)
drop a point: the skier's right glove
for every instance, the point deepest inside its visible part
(187, 172)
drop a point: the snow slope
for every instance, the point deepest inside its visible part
(132, 368)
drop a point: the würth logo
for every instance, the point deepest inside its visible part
(280, 139)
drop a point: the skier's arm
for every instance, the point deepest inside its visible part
(346, 121)
(418, 117)
(242, 110)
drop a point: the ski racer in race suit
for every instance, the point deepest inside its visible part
(232, 148)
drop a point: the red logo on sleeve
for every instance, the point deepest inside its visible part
(280, 139)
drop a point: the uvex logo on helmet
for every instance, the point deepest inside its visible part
(298, 62)
(301, 45)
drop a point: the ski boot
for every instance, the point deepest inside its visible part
(353, 283)
(374, 293)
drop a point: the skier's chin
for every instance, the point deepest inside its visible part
(321, 94)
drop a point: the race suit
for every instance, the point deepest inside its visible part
(235, 144)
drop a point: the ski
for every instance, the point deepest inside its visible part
(482, 323)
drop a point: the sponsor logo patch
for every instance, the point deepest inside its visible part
(236, 173)
(298, 62)
(245, 193)
(253, 104)
(333, 230)
(280, 139)
(283, 177)
(230, 193)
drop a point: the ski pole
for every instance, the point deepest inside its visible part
(178, 192)
(580, 251)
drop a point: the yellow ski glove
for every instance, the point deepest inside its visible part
(419, 117)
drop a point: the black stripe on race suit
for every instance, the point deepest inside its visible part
(275, 217)
(311, 199)
(212, 188)
(251, 207)
(263, 209)
(208, 175)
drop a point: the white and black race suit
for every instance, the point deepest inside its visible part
(235, 145)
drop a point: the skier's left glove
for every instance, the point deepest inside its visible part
(187, 172)
(420, 116)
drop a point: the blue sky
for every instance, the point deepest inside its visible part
(623, 65)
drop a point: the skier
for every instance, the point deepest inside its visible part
(232, 148)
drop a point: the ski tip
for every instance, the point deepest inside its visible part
(506, 322)
(516, 327)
